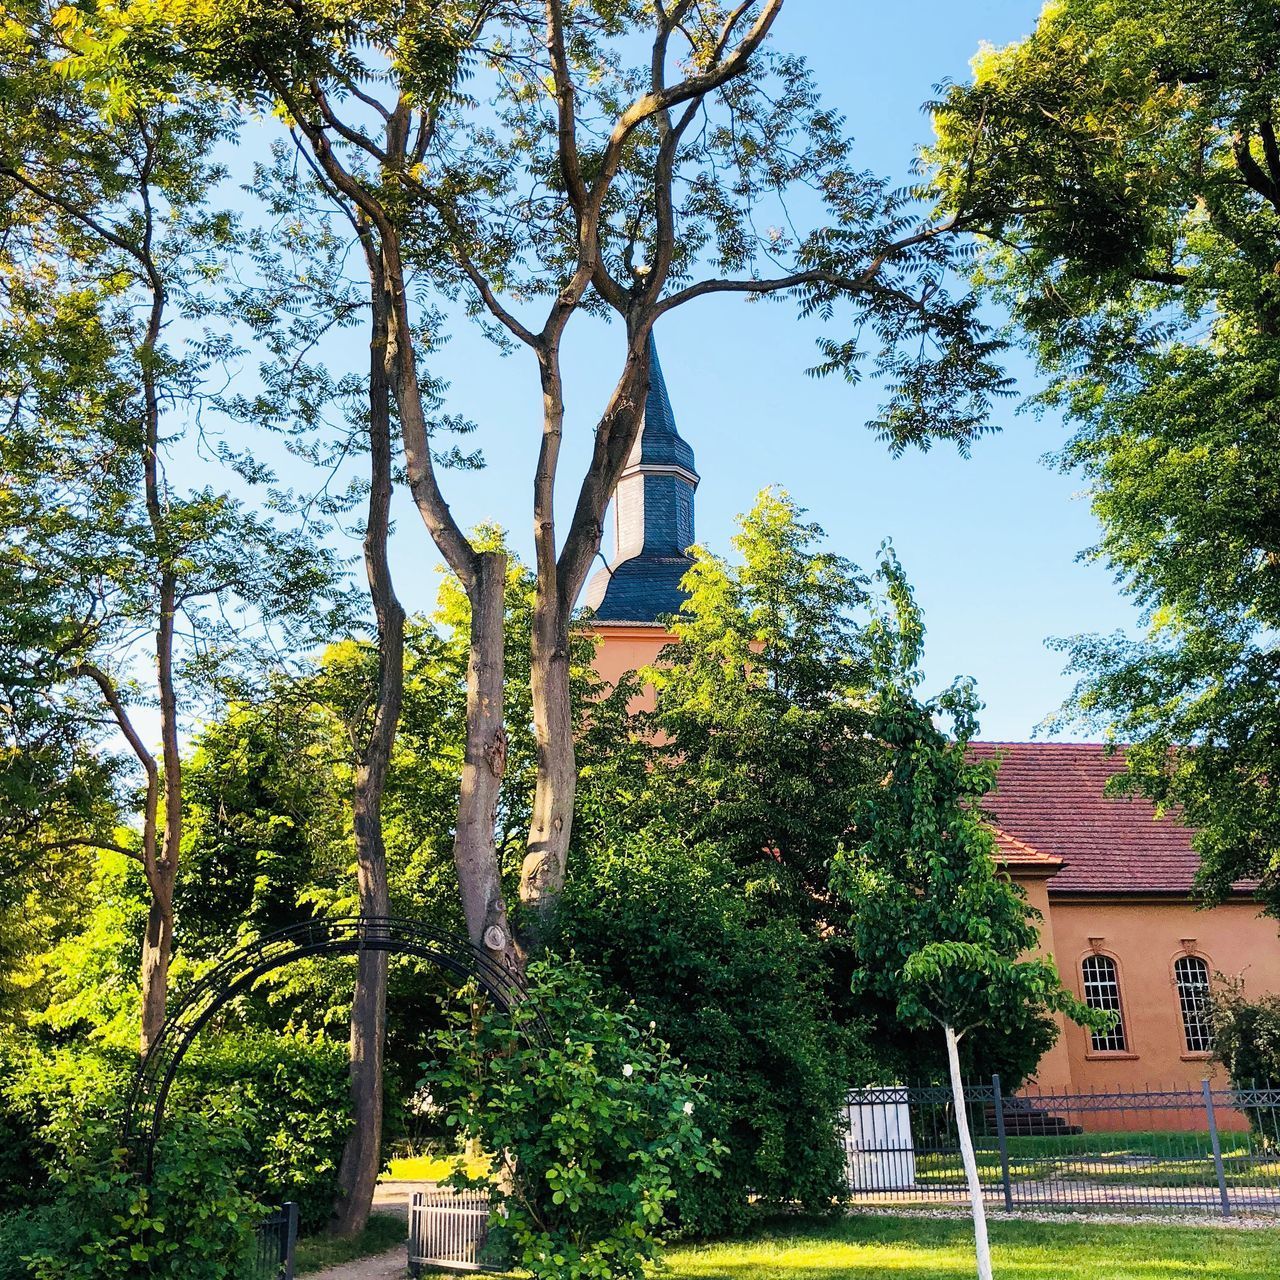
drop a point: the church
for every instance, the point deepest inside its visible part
(1112, 882)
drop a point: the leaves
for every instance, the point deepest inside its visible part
(1123, 167)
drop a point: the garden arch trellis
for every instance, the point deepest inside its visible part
(240, 968)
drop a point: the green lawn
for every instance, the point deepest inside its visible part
(1151, 1158)
(905, 1248)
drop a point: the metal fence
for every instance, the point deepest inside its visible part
(1204, 1149)
(450, 1230)
(274, 1244)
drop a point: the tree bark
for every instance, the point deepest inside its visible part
(362, 1156)
(551, 823)
(157, 951)
(560, 578)
(162, 862)
(484, 763)
(161, 849)
(966, 1154)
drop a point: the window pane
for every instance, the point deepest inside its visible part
(1102, 991)
(1191, 974)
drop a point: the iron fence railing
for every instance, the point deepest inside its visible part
(1207, 1148)
(276, 1237)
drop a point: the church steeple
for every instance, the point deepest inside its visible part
(652, 519)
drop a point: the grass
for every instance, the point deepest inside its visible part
(1148, 1158)
(384, 1232)
(918, 1248)
(872, 1248)
(435, 1168)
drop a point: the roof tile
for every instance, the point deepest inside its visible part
(1050, 795)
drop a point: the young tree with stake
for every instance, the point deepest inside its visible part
(936, 926)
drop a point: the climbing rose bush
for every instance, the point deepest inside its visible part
(592, 1120)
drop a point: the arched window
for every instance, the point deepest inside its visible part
(1102, 991)
(1191, 975)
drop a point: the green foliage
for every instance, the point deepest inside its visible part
(97, 1223)
(938, 930)
(290, 1097)
(1122, 164)
(253, 1120)
(761, 705)
(595, 1122)
(247, 855)
(740, 992)
(1246, 1040)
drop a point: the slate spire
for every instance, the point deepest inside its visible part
(652, 519)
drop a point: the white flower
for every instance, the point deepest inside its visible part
(688, 1108)
(628, 1070)
(653, 1026)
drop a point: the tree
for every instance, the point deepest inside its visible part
(761, 714)
(106, 225)
(937, 928)
(1122, 166)
(505, 201)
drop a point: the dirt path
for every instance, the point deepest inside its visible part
(385, 1266)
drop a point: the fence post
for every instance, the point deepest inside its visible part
(1004, 1145)
(291, 1238)
(1207, 1089)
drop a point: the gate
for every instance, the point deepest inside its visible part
(449, 1230)
(273, 1245)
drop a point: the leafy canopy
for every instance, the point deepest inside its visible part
(1122, 164)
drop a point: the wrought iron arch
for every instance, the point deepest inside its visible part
(240, 968)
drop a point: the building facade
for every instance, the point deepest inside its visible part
(1113, 883)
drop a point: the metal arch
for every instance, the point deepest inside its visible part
(240, 968)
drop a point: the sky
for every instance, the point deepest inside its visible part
(991, 542)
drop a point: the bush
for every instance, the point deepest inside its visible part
(743, 997)
(99, 1224)
(1246, 1040)
(253, 1120)
(290, 1094)
(596, 1124)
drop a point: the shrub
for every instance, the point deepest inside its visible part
(744, 997)
(290, 1094)
(596, 1124)
(100, 1224)
(1246, 1040)
(253, 1120)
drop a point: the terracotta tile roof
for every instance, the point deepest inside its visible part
(1049, 796)
(1019, 856)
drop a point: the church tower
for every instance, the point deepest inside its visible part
(652, 521)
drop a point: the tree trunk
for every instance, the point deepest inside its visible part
(560, 578)
(551, 824)
(966, 1154)
(484, 763)
(362, 1156)
(157, 951)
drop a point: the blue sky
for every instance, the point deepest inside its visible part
(989, 542)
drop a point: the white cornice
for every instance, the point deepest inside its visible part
(661, 469)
